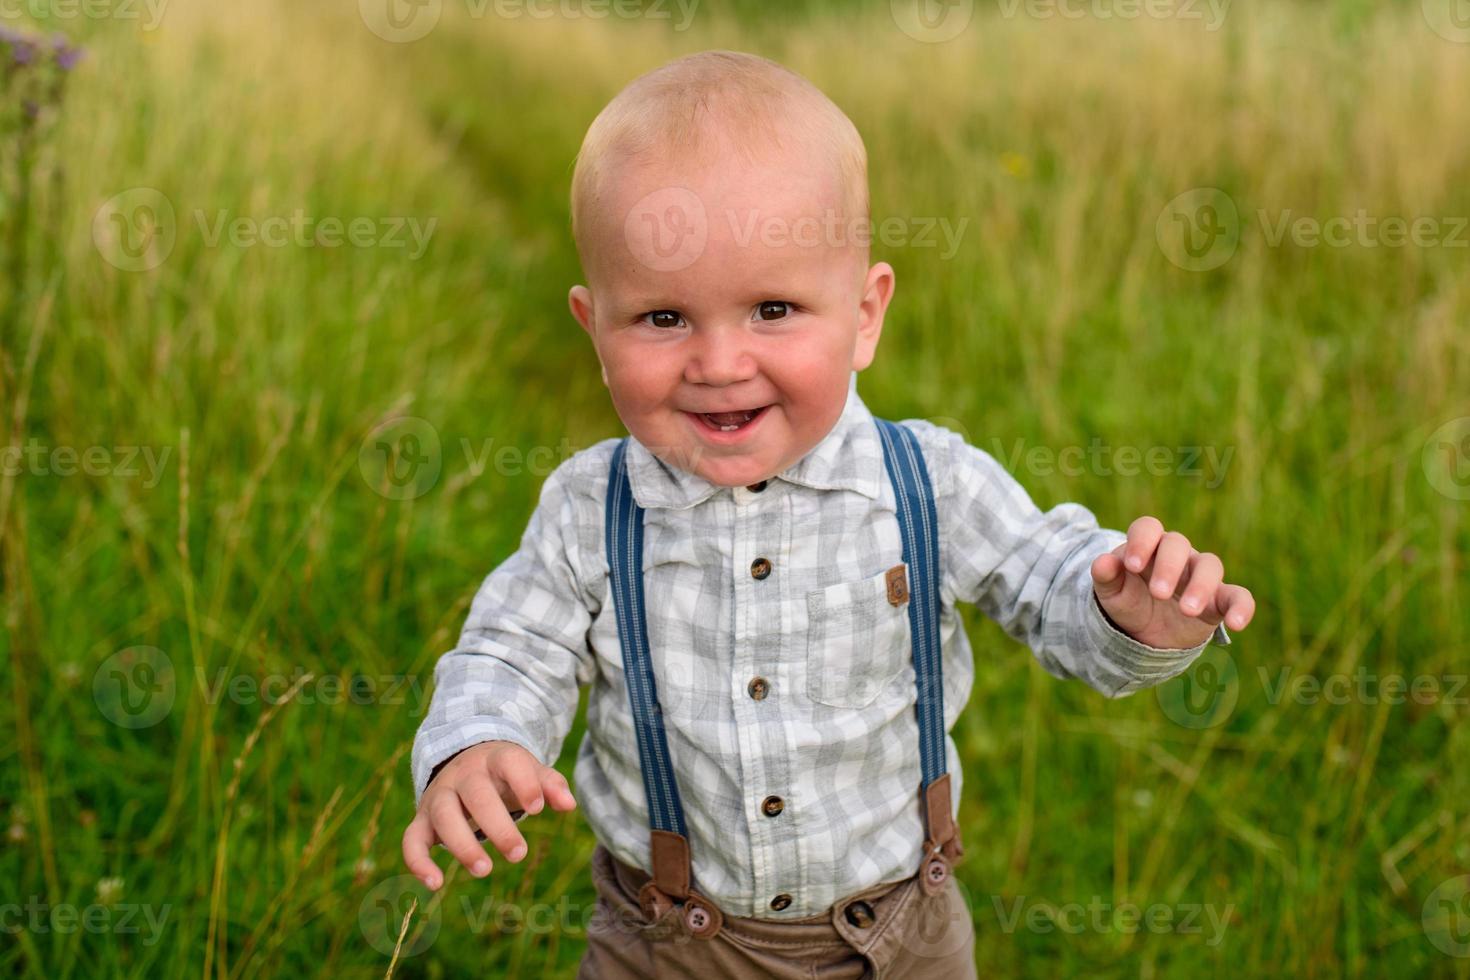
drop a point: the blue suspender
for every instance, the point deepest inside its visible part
(625, 560)
(919, 526)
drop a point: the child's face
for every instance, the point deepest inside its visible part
(733, 286)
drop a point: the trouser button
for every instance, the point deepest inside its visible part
(861, 914)
(696, 918)
(936, 871)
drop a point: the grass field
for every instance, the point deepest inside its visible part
(220, 623)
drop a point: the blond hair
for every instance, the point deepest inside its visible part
(665, 112)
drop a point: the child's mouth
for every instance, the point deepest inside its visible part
(730, 421)
(726, 423)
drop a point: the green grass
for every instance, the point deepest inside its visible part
(263, 551)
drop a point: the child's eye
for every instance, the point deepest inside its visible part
(774, 309)
(663, 318)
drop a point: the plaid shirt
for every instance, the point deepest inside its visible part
(798, 684)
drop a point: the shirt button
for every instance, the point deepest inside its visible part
(758, 688)
(760, 568)
(772, 806)
(780, 901)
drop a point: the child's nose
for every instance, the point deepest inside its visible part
(720, 356)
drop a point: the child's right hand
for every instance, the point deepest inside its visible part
(477, 783)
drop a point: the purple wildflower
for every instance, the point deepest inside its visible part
(22, 51)
(67, 57)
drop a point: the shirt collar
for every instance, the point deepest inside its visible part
(849, 457)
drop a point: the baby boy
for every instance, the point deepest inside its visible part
(759, 584)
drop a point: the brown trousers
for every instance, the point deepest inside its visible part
(900, 930)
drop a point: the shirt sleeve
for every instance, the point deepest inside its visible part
(523, 653)
(1030, 571)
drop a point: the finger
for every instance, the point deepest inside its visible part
(454, 830)
(418, 837)
(1206, 572)
(1235, 605)
(558, 793)
(488, 809)
(1108, 578)
(1143, 537)
(519, 773)
(1169, 562)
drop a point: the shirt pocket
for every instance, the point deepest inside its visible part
(857, 641)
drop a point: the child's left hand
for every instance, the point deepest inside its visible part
(1162, 592)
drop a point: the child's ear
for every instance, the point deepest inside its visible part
(877, 291)
(580, 302)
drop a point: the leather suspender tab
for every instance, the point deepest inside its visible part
(670, 863)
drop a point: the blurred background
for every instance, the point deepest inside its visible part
(285, 358)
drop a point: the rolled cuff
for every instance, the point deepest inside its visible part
(434, 748)
(1142, 665)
